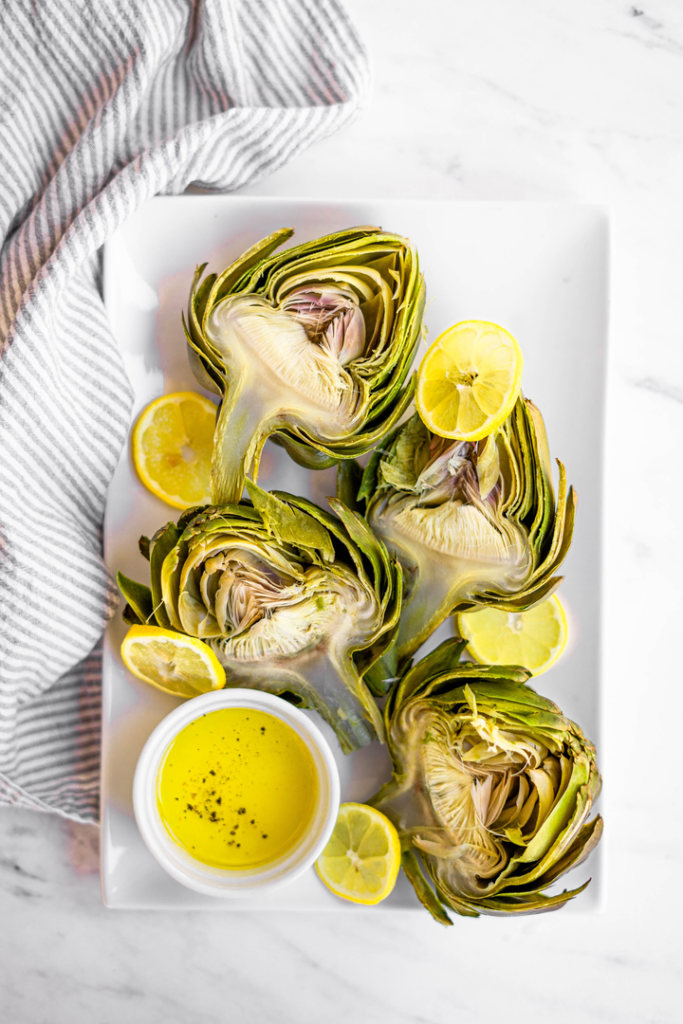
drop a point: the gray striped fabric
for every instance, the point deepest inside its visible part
(105, 103)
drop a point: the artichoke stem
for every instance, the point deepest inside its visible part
(340, 690)
(424, 609)
(321, 682)
(241, 432)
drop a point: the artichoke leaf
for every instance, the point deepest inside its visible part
(429, 669)
(139, 598)
(423, 891)
(242, 267)
(534, 903)
(288, 524)
(584, 843)
(162, 543)
(364, 538)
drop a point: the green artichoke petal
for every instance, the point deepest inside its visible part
(424, 892)
(536, 903)
(364, 538)
(288, 524)
(139, 598)
(253, 257)
(162, 543)
(433, 666)
(574, 804)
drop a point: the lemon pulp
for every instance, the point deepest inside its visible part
(172, 444)
(362, 858)
(469, 380)
(237, 788)
(173, 662)
(535, 638)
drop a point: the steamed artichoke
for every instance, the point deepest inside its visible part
(291, 599)
(311, 345)
(472, 523)
(492, 787)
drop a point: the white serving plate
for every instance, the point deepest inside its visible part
(539, 270)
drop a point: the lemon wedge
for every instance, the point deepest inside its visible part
(362, 859)
(534, 639)
(174, 662)
(469, 380)
(172, 445)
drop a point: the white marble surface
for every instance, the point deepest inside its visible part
(525, 100)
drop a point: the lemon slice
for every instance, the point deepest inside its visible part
(174, 662)
(534, 639)
(172, 444)
(469, 380)
(361, 861)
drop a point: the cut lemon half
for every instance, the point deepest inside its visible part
(361, 861)
(534, 639)
(174, 662)
(469, 380)
(172, 445)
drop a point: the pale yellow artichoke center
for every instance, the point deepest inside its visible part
(259, 607)
(306, 343)
(489, 788)
(451, 507)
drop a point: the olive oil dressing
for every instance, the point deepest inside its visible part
(237, 788)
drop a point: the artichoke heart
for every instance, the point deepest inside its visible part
(471, 523)
(492, 787)
(291, 599)
(301, 373)
(311, 345)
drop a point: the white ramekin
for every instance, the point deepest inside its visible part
(245, 881)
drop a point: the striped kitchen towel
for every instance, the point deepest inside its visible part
(105, 103)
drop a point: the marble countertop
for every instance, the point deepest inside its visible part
(522, 101)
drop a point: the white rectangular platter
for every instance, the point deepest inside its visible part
(541, 271)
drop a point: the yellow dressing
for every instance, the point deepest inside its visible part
(237, 788)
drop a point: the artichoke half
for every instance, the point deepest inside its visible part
(291, 599)
(492, 787)
(472, 523)
(311, 345)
